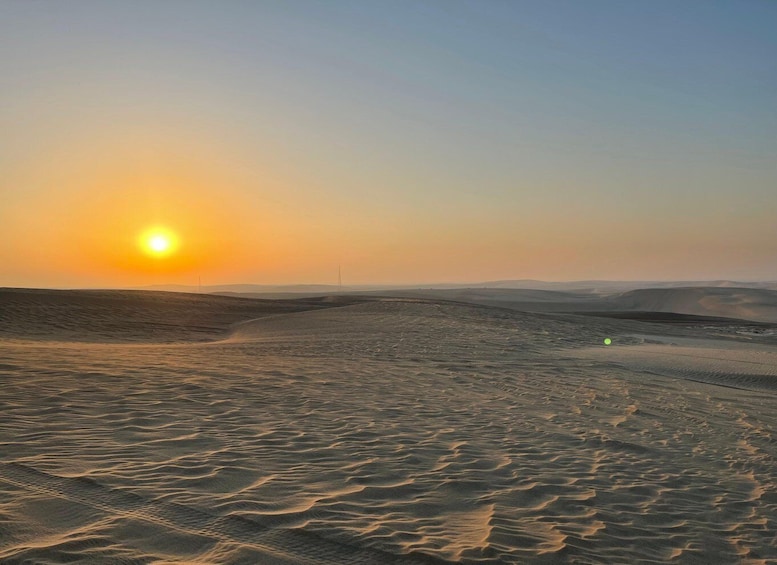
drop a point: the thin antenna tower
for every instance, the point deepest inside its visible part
(339, 279)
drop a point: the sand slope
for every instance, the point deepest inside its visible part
(753, 304)
(133, 316)
(391, 431)
(743, 303)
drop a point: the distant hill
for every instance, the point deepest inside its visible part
(590, 287)
(744, 303)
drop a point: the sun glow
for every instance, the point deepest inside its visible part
(158, 242)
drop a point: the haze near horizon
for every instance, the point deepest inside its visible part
(153, 143)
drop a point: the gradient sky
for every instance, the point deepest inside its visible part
(409, 142)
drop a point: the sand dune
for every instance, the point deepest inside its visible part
(383, 431)
(752, 304)
(133, 316)
(743, 303)
(725, 364)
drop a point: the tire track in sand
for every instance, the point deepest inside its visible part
(294, 545)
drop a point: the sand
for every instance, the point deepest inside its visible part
(173, 428)
(745, 304)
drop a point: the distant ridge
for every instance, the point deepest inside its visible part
(587, 286)
(749, 301)
(755, 304)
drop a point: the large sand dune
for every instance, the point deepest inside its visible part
(743, 303)
(752, 304)
(134, 316)
(377, 431)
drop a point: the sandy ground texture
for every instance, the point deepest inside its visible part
(171, 428)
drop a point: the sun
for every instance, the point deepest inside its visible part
(158, 242)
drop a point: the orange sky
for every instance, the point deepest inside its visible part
(466, 143)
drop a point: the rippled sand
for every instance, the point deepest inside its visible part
(387, 431)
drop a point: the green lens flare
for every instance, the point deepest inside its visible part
(607, 341)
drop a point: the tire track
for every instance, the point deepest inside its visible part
(269, 537)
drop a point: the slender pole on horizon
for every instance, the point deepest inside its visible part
(199, 285)
(339, 279)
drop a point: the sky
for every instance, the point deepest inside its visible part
(404, 142)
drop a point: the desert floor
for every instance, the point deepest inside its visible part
(168, 428)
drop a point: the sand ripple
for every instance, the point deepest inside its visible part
(386, 432)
